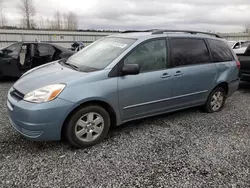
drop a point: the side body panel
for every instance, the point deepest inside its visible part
(194, 84)
(144, 94)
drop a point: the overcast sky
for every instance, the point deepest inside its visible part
(213, 15)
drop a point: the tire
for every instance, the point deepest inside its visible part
(86, 121)
(219, 103)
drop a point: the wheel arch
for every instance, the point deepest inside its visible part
(224, 85)
(101, 103)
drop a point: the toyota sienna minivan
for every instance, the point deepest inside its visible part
(120, 78)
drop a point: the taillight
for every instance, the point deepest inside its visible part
(238, 64)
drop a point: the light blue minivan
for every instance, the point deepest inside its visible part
(120, 78)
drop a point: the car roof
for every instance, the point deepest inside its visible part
(36, 43)
(55, 45)
(150, 35)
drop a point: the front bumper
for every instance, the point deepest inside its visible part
(233, 87)
(41, 122)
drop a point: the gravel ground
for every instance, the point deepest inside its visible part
(183, 149)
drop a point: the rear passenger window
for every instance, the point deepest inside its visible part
(45, 49)
(189, 51)
(220, 51)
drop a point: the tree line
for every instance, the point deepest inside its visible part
(27, 11)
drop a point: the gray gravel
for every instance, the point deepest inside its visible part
(183, 149)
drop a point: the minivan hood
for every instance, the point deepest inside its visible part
(52, 73)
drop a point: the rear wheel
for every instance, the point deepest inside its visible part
(216, 100)
(87, 126)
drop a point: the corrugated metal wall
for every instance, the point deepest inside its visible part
(66, 38)
(62, 38)
(236, 36)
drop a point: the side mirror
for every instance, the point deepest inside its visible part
(131, 69)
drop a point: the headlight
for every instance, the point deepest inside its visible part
(44, 94)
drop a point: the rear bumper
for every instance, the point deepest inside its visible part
(233, 87)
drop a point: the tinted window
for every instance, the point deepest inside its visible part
(45, 49)
(13, 50)
(220, 51)
(189, 51)
(150, 56)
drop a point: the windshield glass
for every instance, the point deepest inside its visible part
(101, 53)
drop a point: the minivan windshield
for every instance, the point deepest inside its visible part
(100, 54)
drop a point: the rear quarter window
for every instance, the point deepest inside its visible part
(45, 49)
(221, 52)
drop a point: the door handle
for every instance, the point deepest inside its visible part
(178, 73)
(166, 75)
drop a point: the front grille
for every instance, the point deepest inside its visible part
(16, 94)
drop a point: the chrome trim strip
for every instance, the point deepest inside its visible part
(167, 99)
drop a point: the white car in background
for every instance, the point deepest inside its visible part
(231, 43)
(239, 47)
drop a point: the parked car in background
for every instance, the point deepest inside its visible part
(122, 78)
(244, 58)
(20, 57)
(239, 46)
(231, 43)
(77, 46)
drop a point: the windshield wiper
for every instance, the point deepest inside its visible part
(70, 65)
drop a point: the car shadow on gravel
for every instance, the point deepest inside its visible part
(156, 120)
(8, 79)
(17, 143)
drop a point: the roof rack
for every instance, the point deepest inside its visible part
(185, 31)
(135, 31)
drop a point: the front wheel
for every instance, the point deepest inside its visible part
(216, 100)
(87, 126)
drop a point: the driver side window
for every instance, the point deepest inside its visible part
(150, 56)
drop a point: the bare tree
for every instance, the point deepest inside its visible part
(41, 23)
(3, 20)
(58, 20)
(48, 23)
(247, 28)
(75, 21)
(65, 21)
(71, 21)
(28, 12)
